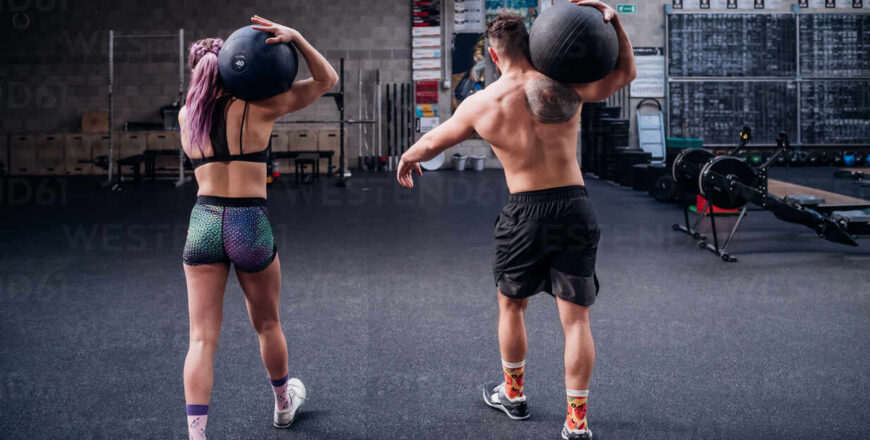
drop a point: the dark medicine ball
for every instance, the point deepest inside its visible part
(573, 44)
(251, 69)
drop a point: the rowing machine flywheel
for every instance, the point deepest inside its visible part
(733, 170)
(687, 167)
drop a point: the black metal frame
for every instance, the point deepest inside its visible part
(817, 218)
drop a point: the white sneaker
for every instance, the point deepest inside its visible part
(296, 390)
(577, 434)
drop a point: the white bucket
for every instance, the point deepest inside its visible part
(459, 162)
(477, 162)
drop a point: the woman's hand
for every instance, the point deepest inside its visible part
(283, 34)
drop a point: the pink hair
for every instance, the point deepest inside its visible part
(204, 89)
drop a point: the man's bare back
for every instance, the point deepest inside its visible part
(531, 121)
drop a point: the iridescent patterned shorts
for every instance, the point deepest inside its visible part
(230, 230)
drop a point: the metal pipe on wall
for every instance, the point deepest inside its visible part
(180, 103)
(402, 125)
(389, 165)
(359, 95)
(111, 104)
(379, 105)
(393, 161)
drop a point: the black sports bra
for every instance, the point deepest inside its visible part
(218, 137)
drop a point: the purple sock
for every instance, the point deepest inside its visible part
(197, 417)
(282, 397)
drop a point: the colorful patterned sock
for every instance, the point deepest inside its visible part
(576, 419)
(197, 417)
(282, 397)
(513, 378)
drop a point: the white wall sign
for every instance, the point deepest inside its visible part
(426, 31)
(428, 124)
(468, 16)
(418, 42)
(425, 53)
(650, 80)
(426, 74)
(426, 63)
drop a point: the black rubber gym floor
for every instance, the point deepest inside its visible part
(390, 314)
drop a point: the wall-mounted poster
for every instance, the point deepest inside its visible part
(528, 9)
(468, 66)
(426, 13)
(426, 61)
(544, 4)
(650, 80)
(468, 16)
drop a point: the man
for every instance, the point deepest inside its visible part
(546, 235)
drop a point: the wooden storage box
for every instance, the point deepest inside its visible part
(22, 155)
(132, 143)
(280, 141)
(329, 140)
(165, 140)
(78, 147)
(49, 155)
(100, 147)
(302, 140)
(95, 122)
(4, 155)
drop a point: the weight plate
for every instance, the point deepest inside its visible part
(733, 169)
(687, 167)
(663, 189)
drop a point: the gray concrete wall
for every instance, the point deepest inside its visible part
(53, 63)
(53, 66)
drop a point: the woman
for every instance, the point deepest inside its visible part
(226, 139)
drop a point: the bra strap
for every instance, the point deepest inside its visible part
(242, 128)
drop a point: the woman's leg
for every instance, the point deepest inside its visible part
(262, 293)
(205, 294)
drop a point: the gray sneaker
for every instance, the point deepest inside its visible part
(495, 397)
(296, 390)
(580, 434)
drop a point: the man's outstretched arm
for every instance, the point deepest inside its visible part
(453, 131)
(625, 70)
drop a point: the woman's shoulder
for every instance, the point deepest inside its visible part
(182, 116)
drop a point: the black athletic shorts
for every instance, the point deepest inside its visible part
(546, 241)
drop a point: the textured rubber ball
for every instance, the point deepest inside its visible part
(573, 44)
(253, 70)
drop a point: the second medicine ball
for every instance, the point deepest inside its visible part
(252, 69)
(573, 44)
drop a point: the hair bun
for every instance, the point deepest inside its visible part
(200, 50)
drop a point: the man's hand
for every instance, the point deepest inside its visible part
(405, 173)
(283, 34)
(609, 12)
